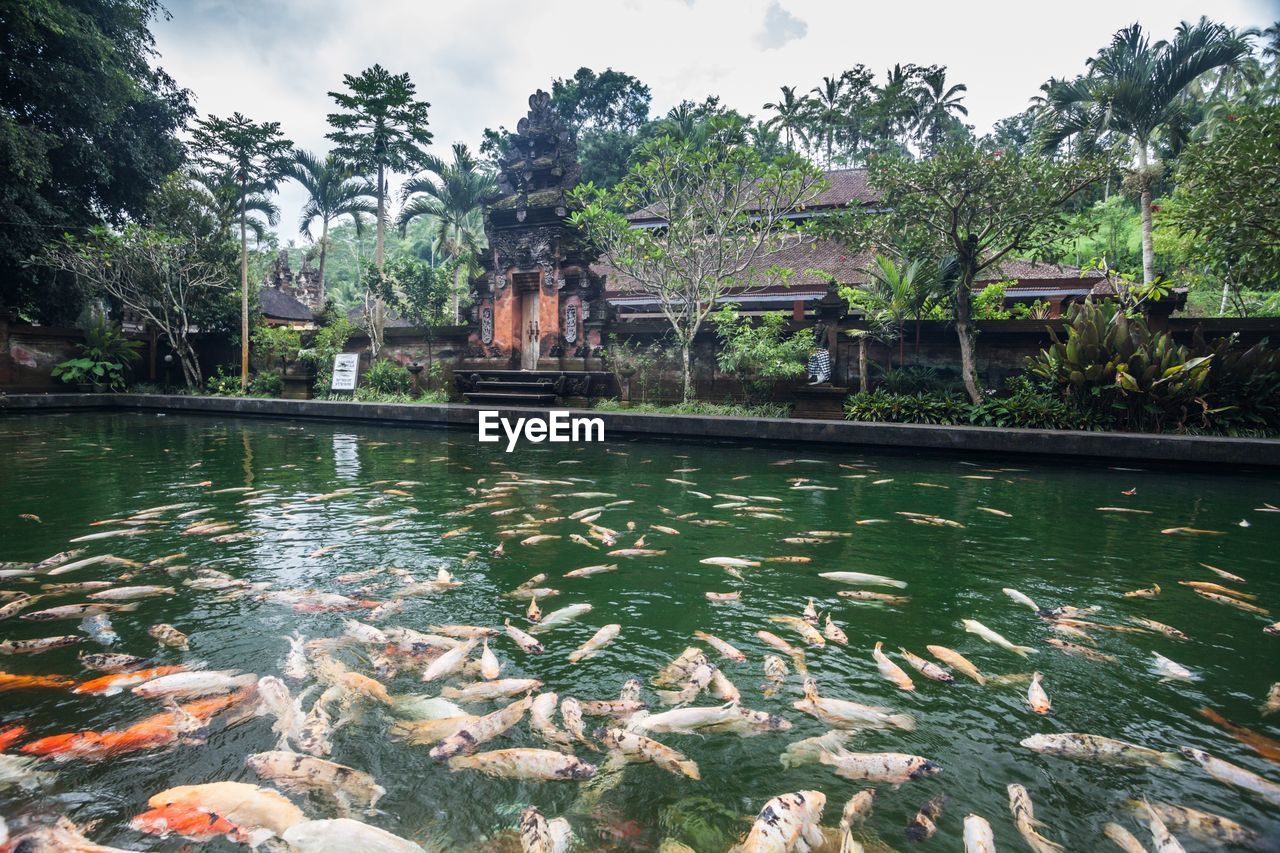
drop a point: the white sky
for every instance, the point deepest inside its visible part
(477, 61)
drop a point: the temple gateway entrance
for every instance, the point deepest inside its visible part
(529, 323)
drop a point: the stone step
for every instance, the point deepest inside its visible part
(541, 385)
(512, 398)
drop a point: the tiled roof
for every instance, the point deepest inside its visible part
(279, 305)
(1031, 272)
(845, 187)
(805, 259)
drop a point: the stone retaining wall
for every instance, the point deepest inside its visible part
(1131, 447)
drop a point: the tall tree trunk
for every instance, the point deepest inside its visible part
(1148, 245)
(968, 370)
(244, 293)
(457, 288)
(686, 357)
(324, 245)
(864, 377)
(378, 321)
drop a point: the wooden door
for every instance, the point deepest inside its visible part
(529, 330)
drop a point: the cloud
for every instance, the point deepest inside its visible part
(780, 27)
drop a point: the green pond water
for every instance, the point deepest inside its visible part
(1056, 548)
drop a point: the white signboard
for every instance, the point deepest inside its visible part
(345, 367)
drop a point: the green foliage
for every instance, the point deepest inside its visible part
(328, 341)
(88, 130)
(893, 294)
(915, 379)
(1030, 407)
(760, 351)
(277, 343)
(266, 383)
(1025, 407)
(969, 206)
(1243, 387)
(700, 407)
(419, 291)
(104, 355)
(387, 377)
(933, 407)
(224, 382)
(1228, 199)
(381, 124)
(170, 281)
(1115, 366)
(645, 364)
(727, 211)
(988, 303)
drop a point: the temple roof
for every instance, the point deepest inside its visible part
(278, 305)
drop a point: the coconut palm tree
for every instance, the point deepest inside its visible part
(827, 114)
(453, 201)
(792, 116)
(1133, 89)
(221, 194)
(332, 193)
(937, 106)
(894, 294)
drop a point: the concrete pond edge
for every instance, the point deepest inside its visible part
(1255, 453)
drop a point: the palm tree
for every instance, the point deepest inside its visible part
(453, 201)
(894, 294)
(1133, 89)
(332, 192)
(895, 106)
(827, 114)
(937, 106)
(792, 116)
(221, 194)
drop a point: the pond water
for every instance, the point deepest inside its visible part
(406, 488)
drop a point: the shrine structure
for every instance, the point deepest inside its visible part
(537, 307)
(537, 304)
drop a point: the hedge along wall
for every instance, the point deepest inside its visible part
(1003, 347)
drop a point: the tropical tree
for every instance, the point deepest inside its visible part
(827, 113)
(219, 193)
(453, 201)
(332, 193)
(1132, 89)
(969, 207)
(255, 155)
(729, 212)
(791, 116)
(894, 294)
(89, 126)
(937, 106)
(381, 127)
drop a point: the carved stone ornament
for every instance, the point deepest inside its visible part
(486, 324)
(571, 323)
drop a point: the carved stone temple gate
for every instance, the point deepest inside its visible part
(538, 309)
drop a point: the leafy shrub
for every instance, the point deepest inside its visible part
(268, 383)
(1243, 387)
(760, 353)
(327, 342)
(274, 344)
(104, 355)
(223, 383)
(387, 377)
(886, 407)
(916, 379)
(700, 407)
(1117, 368)
(1029, 407)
